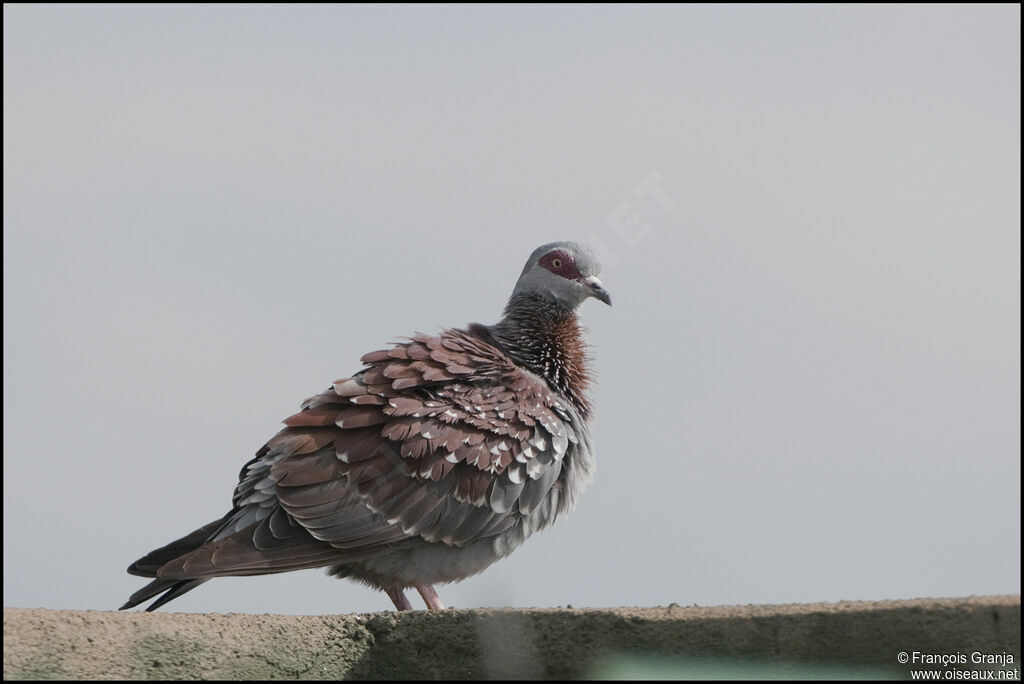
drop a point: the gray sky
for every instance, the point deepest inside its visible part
(809, 383)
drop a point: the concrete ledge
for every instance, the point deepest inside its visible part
(859, 638)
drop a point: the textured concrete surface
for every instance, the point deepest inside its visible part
(857, 639)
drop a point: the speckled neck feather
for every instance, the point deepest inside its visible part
(545, 338)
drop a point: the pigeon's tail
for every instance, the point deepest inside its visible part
(148, 565)
(171, 590)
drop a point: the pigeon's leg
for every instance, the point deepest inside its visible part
(397, 597)
(430, 596)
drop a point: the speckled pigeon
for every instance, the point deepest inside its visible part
(438, 458)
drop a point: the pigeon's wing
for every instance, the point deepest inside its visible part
(442, 439)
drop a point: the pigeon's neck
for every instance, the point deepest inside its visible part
(545, 338)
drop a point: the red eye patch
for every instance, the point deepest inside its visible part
(560, 263)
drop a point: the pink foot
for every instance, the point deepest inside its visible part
(397, 597)
(430, 596)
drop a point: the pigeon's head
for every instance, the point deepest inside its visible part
(565, 272)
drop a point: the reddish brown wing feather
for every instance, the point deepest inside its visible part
(440, 438)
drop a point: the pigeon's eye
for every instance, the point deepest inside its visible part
(561, 264)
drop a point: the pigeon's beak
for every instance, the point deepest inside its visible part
(597, 290)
